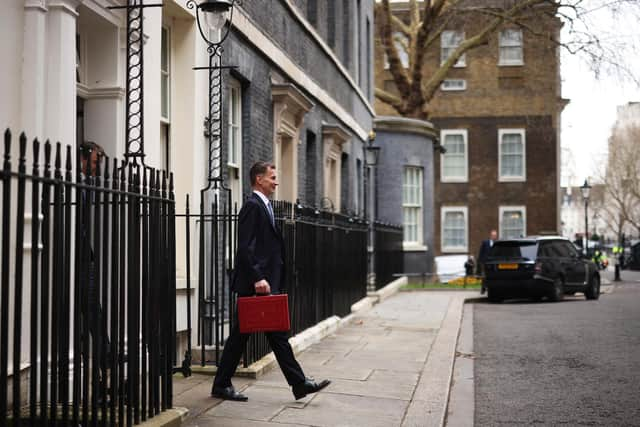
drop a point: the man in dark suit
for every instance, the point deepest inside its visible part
(260, 270)
(485, 247)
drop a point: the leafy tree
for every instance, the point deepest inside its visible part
(412, 34)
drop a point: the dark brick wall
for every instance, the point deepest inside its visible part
(399, 150)
(483, 194)
(255, 73)
(303, 50)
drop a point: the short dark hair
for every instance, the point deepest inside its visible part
(259, 168)
(87, 147)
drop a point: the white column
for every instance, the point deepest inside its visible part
(11, 24)
(60, 117)
(33, 68)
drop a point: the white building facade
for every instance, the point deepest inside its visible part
(63, 78)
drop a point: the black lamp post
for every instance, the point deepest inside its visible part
(371, 155)
(586, 189)
(211, 16)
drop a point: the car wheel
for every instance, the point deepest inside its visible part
(494, 296)
(557, 292)
(593, 288)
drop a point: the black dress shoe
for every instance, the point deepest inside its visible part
(228, 393)
(308, 386)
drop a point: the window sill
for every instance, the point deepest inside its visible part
(414, 247)
(512, 179)
(510, 64)
(461, 180)
(455, 250)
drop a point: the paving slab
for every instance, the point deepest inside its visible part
(233, 422)
(389, 366)
(338, 410)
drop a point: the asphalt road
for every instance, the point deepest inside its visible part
(572, 363)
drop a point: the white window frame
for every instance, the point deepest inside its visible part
(465, 135)
(165, 121)
(403, 54)
(512, 178)
(166, 74)
(462, 61)
(234, 85)
(445, 88)
(454, 249)
(510, 62)
(417, 245)
(522, 209)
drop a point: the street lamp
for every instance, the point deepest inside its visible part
(211, 15)
(371, 155)
(586, 189)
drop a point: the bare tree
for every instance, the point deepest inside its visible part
(622, 180)
(412, 34)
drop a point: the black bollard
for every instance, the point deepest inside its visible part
(616, 278)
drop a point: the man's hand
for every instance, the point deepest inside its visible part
(262, 287)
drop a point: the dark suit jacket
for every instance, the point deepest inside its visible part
(260, 252)
(485, 247)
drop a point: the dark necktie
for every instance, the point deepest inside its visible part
(271, 216)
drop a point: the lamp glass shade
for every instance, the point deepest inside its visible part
(215, 13)
(215, 20)
(586, 189)
(372, 155)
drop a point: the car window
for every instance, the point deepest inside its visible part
(545, 250)
(570, 249)
(514, 250)
(561, 249)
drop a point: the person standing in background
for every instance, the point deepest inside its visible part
(485, 247)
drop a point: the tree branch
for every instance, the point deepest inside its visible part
(390, 99)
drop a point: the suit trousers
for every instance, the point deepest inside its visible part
(235, 345)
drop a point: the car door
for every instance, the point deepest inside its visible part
(579, 266)
(564, 262)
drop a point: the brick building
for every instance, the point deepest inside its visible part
(498, 114)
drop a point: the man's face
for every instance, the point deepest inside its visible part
(93, 158)
(494, 235)
(267, 183)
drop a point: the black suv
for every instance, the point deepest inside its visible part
(539, 267)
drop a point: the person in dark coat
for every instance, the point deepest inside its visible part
(485, 247)
(260, 270)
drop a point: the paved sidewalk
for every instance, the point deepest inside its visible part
(389, 366)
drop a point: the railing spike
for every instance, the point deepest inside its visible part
(106, 169)
(144, 178)
(23, 147)
(68, 165)
(97, 171)
(7, 146)
(47, 157)
(57, 157)
(36, 154)
(115, 172)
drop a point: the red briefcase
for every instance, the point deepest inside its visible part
(267, 313)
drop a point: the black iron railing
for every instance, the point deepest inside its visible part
(388, 252)
(87, 308)
(325, 272)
